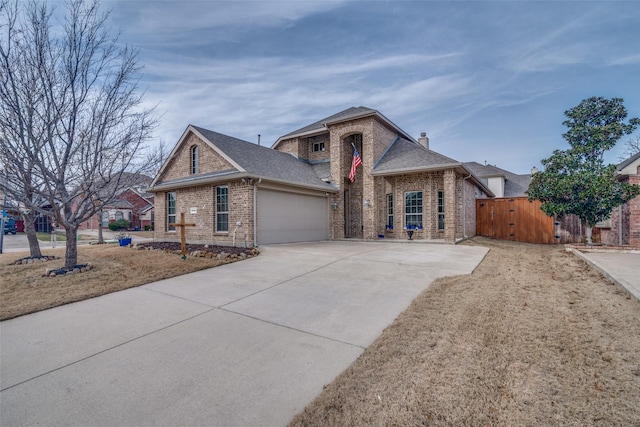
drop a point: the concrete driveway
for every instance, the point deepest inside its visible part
(244, 344)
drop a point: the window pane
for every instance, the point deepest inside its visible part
(171, 210)
(413, 209)
(222, 208)
(194, 159)
(390, 211)
(440, 210)
(222, 222)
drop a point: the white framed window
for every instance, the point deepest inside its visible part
(318, 146)
(389, 225)
(194, 159)
(171, 210)
(222, 209)
(119, 215)
(440, 210)
(413, 209)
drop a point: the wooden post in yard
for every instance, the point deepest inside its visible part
(183, 238)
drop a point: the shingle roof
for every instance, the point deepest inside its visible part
(119, 204)
(254, 160)
(514, 185)
(627, 162)
(342, 115)
(408, 156)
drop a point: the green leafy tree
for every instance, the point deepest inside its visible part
(577, 181)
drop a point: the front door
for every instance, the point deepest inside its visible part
(353, 226)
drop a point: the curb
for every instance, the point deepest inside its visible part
(602, 271)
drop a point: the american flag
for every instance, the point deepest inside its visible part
(357, 161)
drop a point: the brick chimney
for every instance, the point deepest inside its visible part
(423, 140)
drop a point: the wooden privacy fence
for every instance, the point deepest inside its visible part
(519, 220)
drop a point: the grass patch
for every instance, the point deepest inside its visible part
(61, 237)
(46, 237)
(23, 290)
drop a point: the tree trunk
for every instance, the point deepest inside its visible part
(100, 236)
(71, 251)
(30, 230)
(587, 234)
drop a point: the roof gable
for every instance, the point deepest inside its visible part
(247, 160)
(630, 166)
(406, 156)
(351, 113)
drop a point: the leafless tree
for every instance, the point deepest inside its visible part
(156, 156)
(631, 148)
(21, 126)
(86, 127)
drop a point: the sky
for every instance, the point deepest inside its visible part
(487, 81)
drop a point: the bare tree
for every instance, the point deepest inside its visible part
(631, 148)
(89, 126)
(156, 156)
(21, 126)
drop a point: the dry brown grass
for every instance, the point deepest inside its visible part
(532, 337)
(23, 290)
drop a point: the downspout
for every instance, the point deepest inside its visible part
(255, 204)
(464, 209)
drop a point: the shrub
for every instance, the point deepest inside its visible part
(121, 224)
(147, 227)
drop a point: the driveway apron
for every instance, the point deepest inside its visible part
(245, 344)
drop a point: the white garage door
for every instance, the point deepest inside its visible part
(290, 217)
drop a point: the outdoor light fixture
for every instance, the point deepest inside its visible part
(334, 205)
(367, 203)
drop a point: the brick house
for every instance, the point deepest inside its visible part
(131, 202)
(500, 181)
(237, 192)
(624, 226)
(143, 208)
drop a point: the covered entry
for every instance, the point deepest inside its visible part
(286, 217)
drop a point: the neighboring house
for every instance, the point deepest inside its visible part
(501, 182)
(132, 203)
(236, 192)
(114, 211)
(143, 208)
(624, 226)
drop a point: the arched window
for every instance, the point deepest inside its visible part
(194, 159)
(105, 219)
(119, 215)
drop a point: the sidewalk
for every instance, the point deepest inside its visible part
(19, 243)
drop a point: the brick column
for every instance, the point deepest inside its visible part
(634, 215)
(450, 219)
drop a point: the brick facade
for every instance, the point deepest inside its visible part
(202, 199)
(358, 209)
(361, 206)
(208, 160)
(625, 220)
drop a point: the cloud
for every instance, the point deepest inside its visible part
(177, 22)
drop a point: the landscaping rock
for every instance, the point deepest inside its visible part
(33, 260)
(223, 253)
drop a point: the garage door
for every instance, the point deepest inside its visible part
(290, 217)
